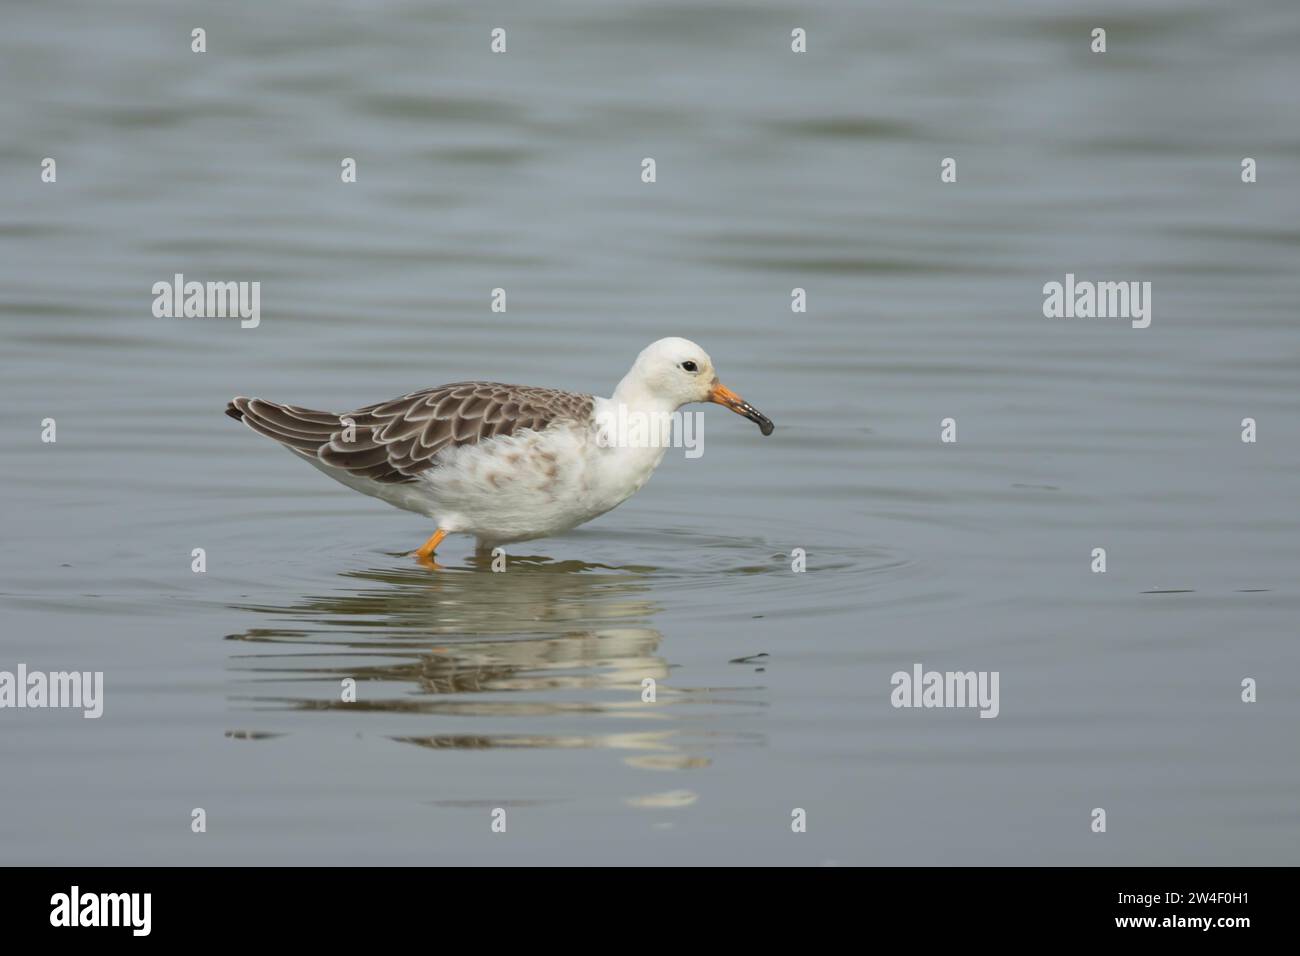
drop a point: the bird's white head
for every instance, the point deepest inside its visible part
(677, 372)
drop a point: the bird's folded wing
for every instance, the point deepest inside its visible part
(394, 441)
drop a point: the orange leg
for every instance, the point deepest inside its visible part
(425, 553)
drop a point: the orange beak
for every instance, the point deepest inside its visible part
(721, 395)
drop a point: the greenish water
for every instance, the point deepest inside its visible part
(523, 690)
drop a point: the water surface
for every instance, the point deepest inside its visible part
(523, 690)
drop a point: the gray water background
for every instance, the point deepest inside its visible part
(522, 690)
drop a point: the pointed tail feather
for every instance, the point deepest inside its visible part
(300, 429)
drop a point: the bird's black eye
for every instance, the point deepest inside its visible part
(690, 366)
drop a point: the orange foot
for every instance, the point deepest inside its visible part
(425, 554)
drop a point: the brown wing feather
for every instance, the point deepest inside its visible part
(396, 440)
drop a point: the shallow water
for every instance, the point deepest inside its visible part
(523, 690)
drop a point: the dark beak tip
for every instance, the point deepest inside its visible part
(766, 428)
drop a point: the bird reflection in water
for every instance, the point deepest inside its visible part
(561, 642)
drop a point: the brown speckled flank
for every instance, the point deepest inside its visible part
(396, 440)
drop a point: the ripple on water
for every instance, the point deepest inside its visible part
(555, 637)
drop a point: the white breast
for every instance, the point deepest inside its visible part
(527, 485)
(533, 484)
